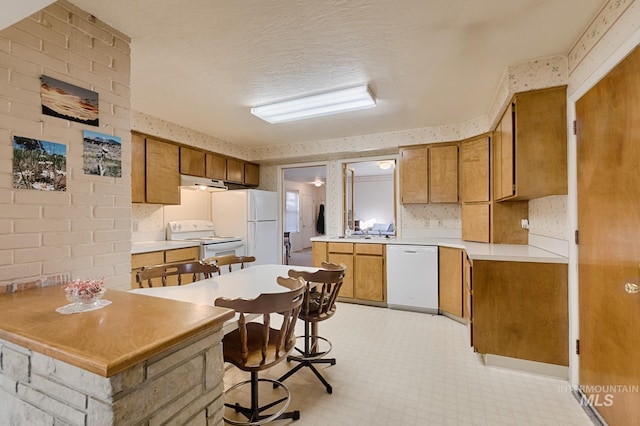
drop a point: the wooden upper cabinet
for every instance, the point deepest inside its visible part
(530, 149)
(414, 175)
(216, 166)
(192, 162)
(235, 170)
(476, 222)
(443, 174)
(503, 156)
(138, 162)
(156, 166)
(474, 170)
(162, 172)
(429, 174)
(251, 174)
(155, 176)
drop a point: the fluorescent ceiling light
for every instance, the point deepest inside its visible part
(344, 100)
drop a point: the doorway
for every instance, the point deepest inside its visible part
(304, 194)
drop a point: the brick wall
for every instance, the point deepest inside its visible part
(48, 237)
(183, 385)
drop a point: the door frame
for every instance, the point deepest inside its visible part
(329, 186)
(573, 94)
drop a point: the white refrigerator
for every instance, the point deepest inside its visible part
(251, 214)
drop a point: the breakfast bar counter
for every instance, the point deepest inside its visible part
(105, 341)
(124, 363)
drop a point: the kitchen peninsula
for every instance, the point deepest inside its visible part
(512, 297)
(140, 359)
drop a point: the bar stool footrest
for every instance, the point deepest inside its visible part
(313, 355)
(253, 415)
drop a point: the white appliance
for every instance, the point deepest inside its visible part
(412, 278)
(204, 232)
(253, 215)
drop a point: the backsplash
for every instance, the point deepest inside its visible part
(149, 221)
(430, 220)
(548, 224)
(548, 217)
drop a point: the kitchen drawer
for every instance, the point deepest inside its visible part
(341, 248)
(375, 249)
(147, 259)
(183, 254)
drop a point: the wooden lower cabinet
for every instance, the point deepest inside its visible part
(467, 301)
(519, 310)
(164, 256)
(450, 272)
(370, 272)
(365, 279)
(318, 253)
(347, 284)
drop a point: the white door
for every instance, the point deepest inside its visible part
(308, 220)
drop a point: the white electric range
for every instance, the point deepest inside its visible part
(204, 232)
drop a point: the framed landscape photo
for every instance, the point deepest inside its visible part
(102, 154)
(39, 164)
(69, 102)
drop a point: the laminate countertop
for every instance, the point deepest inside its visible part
(150, 246)
(475, 251)
(106, 341)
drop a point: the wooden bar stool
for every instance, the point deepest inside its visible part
(256, 346)
(160, 274)
(321, 290)
(229, 260)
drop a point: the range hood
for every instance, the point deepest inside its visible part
(200, 183)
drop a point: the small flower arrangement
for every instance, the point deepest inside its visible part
(85, 291)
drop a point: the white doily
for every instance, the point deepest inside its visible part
(74, 308)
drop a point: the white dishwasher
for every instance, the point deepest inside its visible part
(412, 278)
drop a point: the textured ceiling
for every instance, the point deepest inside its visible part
(202, 63)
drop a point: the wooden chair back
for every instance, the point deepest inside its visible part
(321, 290)
(229, 260)
(255, 345)
(159, 273)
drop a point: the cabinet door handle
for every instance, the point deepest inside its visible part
(632, 288)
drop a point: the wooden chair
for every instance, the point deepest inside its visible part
(160, 273)
(229, 260)
(256, 346)
(321, 290)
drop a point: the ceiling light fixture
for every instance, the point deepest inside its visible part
(385, 165)
(344, 100)
(318, 183)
